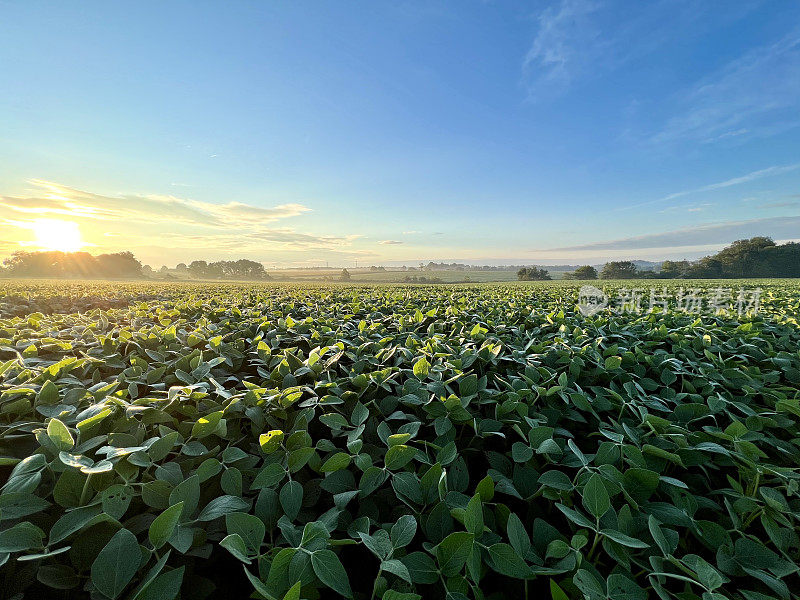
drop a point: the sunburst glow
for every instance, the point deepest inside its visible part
(52, 234)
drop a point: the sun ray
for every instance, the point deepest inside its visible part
(53, 234)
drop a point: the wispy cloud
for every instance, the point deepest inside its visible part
(252, 241)
(700, 235)
(755, 94)
(145, 223)
(580, 40)
(390, 242)
(789, 204)
(747, 178)
(566, 40)
(56, 199)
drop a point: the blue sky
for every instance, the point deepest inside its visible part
(298, 133)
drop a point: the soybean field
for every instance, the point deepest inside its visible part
(397, 442)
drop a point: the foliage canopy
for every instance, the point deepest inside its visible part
(440, 442)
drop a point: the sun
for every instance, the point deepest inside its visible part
(51, 234)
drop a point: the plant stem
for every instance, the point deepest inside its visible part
(86, 490)
(372, 597)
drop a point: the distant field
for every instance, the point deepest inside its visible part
(389, 276)
(308, 440)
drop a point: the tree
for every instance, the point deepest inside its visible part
(674, 269)
(585, 272)
(119, 264)
(72, 264)
(623, 269)
(706, 268)
(784, 260)
(747, 258)
(533, 274)
(345, 275)
(198, 268)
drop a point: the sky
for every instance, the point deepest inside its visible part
(371, 132)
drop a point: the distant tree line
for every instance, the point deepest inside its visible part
(421, 279)
(749, 258)
(225, 269)
(584, 272)
(755, 257)
(533, 274)
(121, 265)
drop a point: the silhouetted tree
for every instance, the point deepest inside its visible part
(533, 274)
(623, 269)
(72, 264)
(585, 272)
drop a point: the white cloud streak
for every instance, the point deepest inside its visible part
(699, 235)
(65, 201)
(757, 94)
(747, 178)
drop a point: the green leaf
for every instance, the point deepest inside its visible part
(59, 577)
(159, 449)
(623, 539)
(165, 586)
(73, 521)
(640, 483)
(337, 462)
(48, 394)
(595, 496)
(399, 456)
(506, 561)
(379, 543)
(421, 567)
(22, 536)
(188, 492)
(556, 593)
(116, 564)
(473, 517)
(486, 489)
(395, 595)
(60, 435)
(269, 476)
(294, 592)
(518, 536)
(249, 527)
(613, 363)
(164, 524)
(521, 452)
(360, 414)
(396, 567)
(330, 571)
(403, 531)
(270, 441)
(421, 368)
(575, 516)
(221, 506)
(234, 544)
(453, 551)
(291, 498)
(206, 425)
(16, 505)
